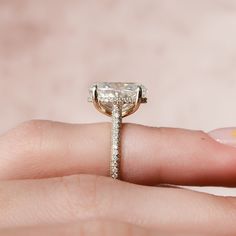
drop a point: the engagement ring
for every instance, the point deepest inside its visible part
(117, 100)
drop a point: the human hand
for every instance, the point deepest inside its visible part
(45, 188)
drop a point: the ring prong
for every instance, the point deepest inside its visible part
(139, 95)
(95, 97)
(96, 102)
(137, 102)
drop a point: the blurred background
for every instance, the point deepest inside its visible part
(184, 51)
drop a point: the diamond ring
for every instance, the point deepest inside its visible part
(117, 100)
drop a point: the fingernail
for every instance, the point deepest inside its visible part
(224, 135)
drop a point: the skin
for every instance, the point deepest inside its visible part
(53, 182)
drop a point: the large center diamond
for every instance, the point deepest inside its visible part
(125, 93)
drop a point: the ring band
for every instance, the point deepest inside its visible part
(115, 142)
(117, 100)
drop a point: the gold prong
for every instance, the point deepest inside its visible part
(95, 97)
(97, 103)
(139, 95)
(137, 102)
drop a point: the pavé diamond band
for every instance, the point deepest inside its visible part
(117, 100)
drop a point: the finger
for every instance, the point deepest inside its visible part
(75, 198)
(40, 149)
(83, 228)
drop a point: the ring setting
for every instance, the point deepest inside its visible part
(117, 100)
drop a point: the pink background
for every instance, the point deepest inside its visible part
(184, 52)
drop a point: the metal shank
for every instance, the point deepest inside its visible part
(116, 141)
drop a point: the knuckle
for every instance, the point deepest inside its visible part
(81, 193)
(17, 147)
(32, 127)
